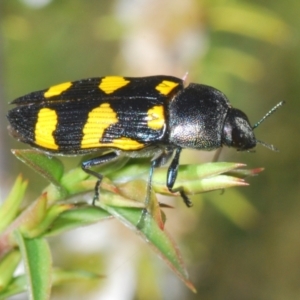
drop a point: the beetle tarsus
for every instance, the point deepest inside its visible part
(97, 194)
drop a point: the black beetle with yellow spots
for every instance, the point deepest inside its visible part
(152, 116)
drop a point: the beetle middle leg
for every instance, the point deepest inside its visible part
(156, 162)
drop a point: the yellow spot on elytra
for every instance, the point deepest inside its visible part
(57, 89)
(110, 84)
(156, 118)
(126, 144)
(166, 86)
(99, 119)
(44, 128)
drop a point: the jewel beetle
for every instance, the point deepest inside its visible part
(152, 116)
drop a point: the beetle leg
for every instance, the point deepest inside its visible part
(86, 165)
(171, 178)
(217, 154)
(157, 162)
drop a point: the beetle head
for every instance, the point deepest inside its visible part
(238, 133)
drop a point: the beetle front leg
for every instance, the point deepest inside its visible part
(171, 178)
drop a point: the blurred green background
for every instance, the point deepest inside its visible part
(243, 244)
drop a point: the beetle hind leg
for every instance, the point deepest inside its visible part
(86, 165)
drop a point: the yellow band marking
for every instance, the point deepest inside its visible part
(156, 118)
(126, 144)
(98, 120)
(57, 89)
(166, 86)
(44, 128)
(110, 84)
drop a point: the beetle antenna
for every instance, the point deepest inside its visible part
(270, 112)
(269, 146)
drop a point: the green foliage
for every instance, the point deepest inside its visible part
(24, 231)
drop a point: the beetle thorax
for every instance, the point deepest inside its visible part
(196, 117)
